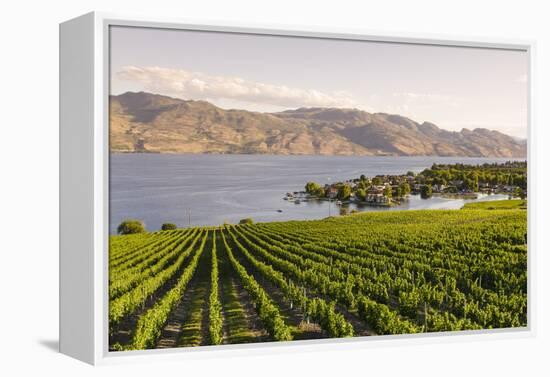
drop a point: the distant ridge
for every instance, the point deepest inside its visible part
(145, 122)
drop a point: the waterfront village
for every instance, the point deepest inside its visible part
(452, 181)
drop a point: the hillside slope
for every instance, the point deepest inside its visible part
(144, 122)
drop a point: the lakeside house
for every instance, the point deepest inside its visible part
(375, 194)
(331, 191)
(376, 190)
(456, 182)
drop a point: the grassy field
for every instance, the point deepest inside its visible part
(498, 204)
(357, 275)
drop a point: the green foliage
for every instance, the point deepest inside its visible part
(215, 312)
(388, 192)
(248, 220)
(362, 185)
(402, 190)
(454, 178)
(508, 173)
(135, 298)
(384, 320)
(168, 226)
(266, 309)
(497, 204)
(128, 271)
(315, 189)
(519, 193)
(399, 271)
(426, 192)
(318, 309)
(441, 272)
(409, 303)
(344, 192)
(361, 194)
(150, 324)
(405, 189)
(377, 181)
(131, 226)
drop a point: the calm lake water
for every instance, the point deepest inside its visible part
(212, 189)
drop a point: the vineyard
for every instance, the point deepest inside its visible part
(360, 275)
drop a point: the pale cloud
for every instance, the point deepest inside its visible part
(195, 85)
(419, 100)
(447, 111)
(422, 96)
(418, 106)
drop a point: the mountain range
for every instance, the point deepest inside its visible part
(145, 122)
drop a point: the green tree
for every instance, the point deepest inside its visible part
(521, 181)
(361, 194)
(398, 192)
(248, 220)
(168, 226)
(518, 192)
(405, 189)
(321, 192)
(344, 192)
(474, 181)
(387, 192)
(426, 192)
(439, 181)
(313, 188)
(377, 181)
(131, 226)
(362, 185)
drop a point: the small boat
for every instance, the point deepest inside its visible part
(297, 201)
(279, 210)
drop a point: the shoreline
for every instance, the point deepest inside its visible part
(201, 190)
(492, 205)
(111, 152)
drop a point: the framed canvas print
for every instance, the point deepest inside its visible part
(227, 188)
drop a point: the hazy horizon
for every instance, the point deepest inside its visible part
(452, 87)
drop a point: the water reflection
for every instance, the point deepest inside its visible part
(192, 190)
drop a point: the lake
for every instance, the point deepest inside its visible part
(191, 190)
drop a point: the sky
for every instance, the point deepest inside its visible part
(452, 87)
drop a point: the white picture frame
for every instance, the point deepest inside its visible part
(84, 194)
